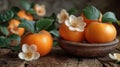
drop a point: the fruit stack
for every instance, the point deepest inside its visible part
(90, 34)
(19, 29)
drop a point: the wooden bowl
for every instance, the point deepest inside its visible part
(86, 49)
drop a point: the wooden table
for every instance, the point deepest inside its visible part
(58, 58)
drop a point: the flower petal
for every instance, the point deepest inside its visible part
(72, 18)
(75, 23)
(25, 48)
(60, 21)
(67, 23)
(59, 18)
(36, 55)
(40, 9)
(63, 11)
(72, 28)
(21, 55)
(112, 56)
(28, 59)
(62, 16)
(117, 55)
(33, 47)
(80, 29)
(80, 18)
(29, 56)
(84, 24)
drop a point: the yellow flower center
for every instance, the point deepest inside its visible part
(75, 23)
(64, 17)
(28, 54)
(118, 56)
(40, 10)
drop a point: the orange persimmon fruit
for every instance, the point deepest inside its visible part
(66, 34)
(97, 32)
(43, 40)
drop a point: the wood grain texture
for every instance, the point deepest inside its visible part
(58, 58)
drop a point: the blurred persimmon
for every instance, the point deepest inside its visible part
(23, 14)
(13, 27)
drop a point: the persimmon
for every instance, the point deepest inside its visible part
(97, 32)
(43, 40)
(25, 15)
(69, 35)
(13, 27)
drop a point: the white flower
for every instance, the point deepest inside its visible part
(62, 16)
(115, 56)
(40, 9)
(75, 23)
(29, 53)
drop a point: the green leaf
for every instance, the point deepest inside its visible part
(54, 33)
(53, 25)
(4, 30)
(14, 39)
(4, 42)
(43, 23)
(32, 4)
(118, 22)
(31, 11)
(109, 17)
(15, 9)
(53, 16)
(91, 12)
(7, 15)
(73, 11)
(25, 4)
(28, 25)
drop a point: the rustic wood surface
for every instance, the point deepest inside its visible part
(57, 58)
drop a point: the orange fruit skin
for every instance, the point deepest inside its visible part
(88, 21)
(100, 32)
(23, 14)
(15, 23)
(68, 35)
(42, 40)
